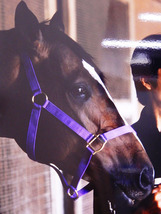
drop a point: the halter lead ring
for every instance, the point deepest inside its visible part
(74, 195)
(40, 100)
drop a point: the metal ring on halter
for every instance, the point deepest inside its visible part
(74, 194)
(95, 137)
(43, 99)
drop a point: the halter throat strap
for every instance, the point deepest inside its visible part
(70, 123)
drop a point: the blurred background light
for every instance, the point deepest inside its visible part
(150, 17)
(113, 43)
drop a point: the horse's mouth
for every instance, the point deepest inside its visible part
(129, 199)
(123, 202)
(130, 192)
(131, 196)
(136, 186)
(116, 207)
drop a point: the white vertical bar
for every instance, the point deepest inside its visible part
(78, 203)
(132, 27)
(84, 204)
(56, 193)
(50, 8)
(72, 19)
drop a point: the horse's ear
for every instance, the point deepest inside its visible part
(57, 21)
(26, 22)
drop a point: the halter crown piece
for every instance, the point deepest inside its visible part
(70, 123)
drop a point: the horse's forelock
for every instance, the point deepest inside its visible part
(58, 38)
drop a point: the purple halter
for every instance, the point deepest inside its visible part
(70, 123)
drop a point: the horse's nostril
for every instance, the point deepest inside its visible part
(145, 179)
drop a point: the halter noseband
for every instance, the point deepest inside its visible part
(70, 123)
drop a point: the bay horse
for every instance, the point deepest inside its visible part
(41, 57)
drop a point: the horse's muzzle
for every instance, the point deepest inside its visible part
(137, 185)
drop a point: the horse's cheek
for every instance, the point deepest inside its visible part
(119, 153)
(9, 73)
(107, 157)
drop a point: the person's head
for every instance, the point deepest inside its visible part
(145, 62)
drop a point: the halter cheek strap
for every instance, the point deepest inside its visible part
(70, 123)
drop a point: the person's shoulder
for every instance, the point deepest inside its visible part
(140, 126)
(136, 126)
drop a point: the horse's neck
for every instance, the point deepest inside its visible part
(5, 128)
(13, 116)
(6, 121)
(12, 127)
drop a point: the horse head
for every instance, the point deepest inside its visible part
(64, 71)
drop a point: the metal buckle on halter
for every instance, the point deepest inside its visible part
(40, 99)
(95, 137)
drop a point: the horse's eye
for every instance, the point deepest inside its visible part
(80, 92)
